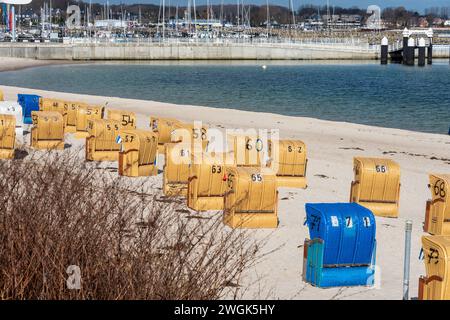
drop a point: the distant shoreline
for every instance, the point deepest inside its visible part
(13, 64)
(17, 64)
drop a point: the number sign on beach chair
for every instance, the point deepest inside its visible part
(127, 119)
(207, 181)
(102, 144)
(71, 108)
(251, 198)
(48, 130)
(288, 160)
(84, 114)
(376, 185)
(178, 158)
(436, 256)
(163, 127)
(249, 150)
(189, 144)
(139, 153)
(49, 104)
(55, 105)
(437, 216)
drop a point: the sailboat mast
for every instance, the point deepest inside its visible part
(237, 15)
(328, 15)
(50, 15)
(207, 13)
(268, 18)
(293, 12)
(195, 18)
(189, 15)
(169, 12)
(221, 12)
(163, 18)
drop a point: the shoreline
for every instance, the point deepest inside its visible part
(239, 117)
(15, 64)
(331, 147)
(104, 100)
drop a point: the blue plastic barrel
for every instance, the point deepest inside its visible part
(347, 230)
(29, 102)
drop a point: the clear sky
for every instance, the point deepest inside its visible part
(419, 5)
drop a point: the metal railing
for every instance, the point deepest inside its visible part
(335, 43)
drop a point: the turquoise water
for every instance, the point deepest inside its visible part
(390, 96)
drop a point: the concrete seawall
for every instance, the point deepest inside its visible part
(184, 51)
(441, 52)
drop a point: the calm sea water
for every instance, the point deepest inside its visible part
(390, 96)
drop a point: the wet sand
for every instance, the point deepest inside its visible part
(11, 64)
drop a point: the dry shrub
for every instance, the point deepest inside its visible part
(57, 211)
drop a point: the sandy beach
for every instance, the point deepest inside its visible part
(11, 64)
(331, 147)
